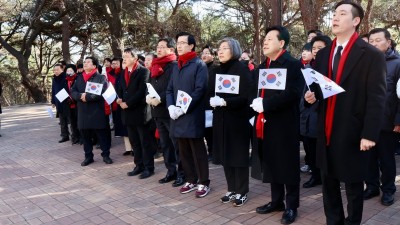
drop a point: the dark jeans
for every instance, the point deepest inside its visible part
(167, 144)
(144, 146)
(237, 179)
(292, 194)
(310, 146)
(63, 117)
(101, 134)
(333, 205)
(193, 154)
(383, 159)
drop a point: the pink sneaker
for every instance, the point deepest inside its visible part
(188, 187)
(202, 190)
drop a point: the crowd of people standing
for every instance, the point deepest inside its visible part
(350, 137)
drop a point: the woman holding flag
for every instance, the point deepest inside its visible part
(280, 84)
(228, 93)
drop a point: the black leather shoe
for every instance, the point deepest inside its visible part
(146, 174)
(387, 199)
(167, 178)
(268, 208)
(312, 183)
(369, 193)
(289, 216)
(107, 160)
(64, 139)
(87, 162)
(178, 182)
(74, 142)
(127, 153)
(135, 171)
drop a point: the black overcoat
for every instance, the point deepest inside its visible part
(279, 151)
(134, 95)
(358, 112)
(91, 114)
(231, 134)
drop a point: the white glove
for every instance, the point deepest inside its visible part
(217, 101)
(179, 112)
(172, 112)
(257, 105)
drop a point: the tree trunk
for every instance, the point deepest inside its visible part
(310, 14)
(28, 81)
(365, 25)
(276, 6)
(112, 11)
(256, 39)
(66, 33)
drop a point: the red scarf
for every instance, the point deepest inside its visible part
(70, 80)
(158, 64)
(260, 118)
(127, 75)
(304, 62)
(108, 69)
(87, 76)
(183, 59)
(330, 111)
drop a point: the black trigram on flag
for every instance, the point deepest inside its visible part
(328, 87)
(279, 73)
(220, 79)
(233, 80)
(264, 74)
(233, 88)
(182, 95)
(219, 87)
(263, 83)
(278, 83)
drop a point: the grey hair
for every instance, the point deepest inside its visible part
(234, 45)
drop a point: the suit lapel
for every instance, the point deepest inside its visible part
(354, 56)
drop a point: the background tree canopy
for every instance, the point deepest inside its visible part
(34, 35)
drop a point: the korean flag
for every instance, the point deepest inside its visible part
(94, 88)
(227, 84)
(272, 79)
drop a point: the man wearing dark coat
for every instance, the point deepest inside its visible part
(91, 112)
(132, 100)
(348, 123)
(59, 83)
(277, 127)
(190, 76)
(382, 156)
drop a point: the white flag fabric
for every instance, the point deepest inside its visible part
(62, 95)
(94, 88)
(328, 87)
(209, 118)
(183, 100)
(110, 94)
(152, 92)
(272, 79)
(50, 112)
(225, 83)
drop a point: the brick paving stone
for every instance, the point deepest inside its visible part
(42, 182)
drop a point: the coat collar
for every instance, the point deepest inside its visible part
(355, 55)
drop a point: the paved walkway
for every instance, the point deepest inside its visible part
(42, 182)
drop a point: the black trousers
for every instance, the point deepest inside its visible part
(143, 145)
(333, 205)
(101, 134)
(310, 146)
(73, 119)
(167, 144)
(63, 117)
(193, 154)
(237, 179)
(292, 195)
(208, 135)
(108, 130)
(383, 159)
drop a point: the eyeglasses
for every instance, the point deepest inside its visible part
(182, 43)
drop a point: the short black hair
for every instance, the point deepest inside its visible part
(132, 52)
(118, 59)
(107, 59)
(213, 53)
(327, 40)
(283, 34)
(141, 58)
(72, 66)
(191, 39)
(364, 35)
(59, 65)
(79, 66)
(378, 30)
(63, 63)
(307, 47)
(356, 11)
(317, 32)
(95, 61)
(170, 42)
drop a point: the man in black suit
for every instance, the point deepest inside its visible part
(349, 123)
(132, 99)
(91, 114)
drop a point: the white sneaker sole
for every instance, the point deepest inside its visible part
(190, 190)
(234, 204)
(200, 196)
